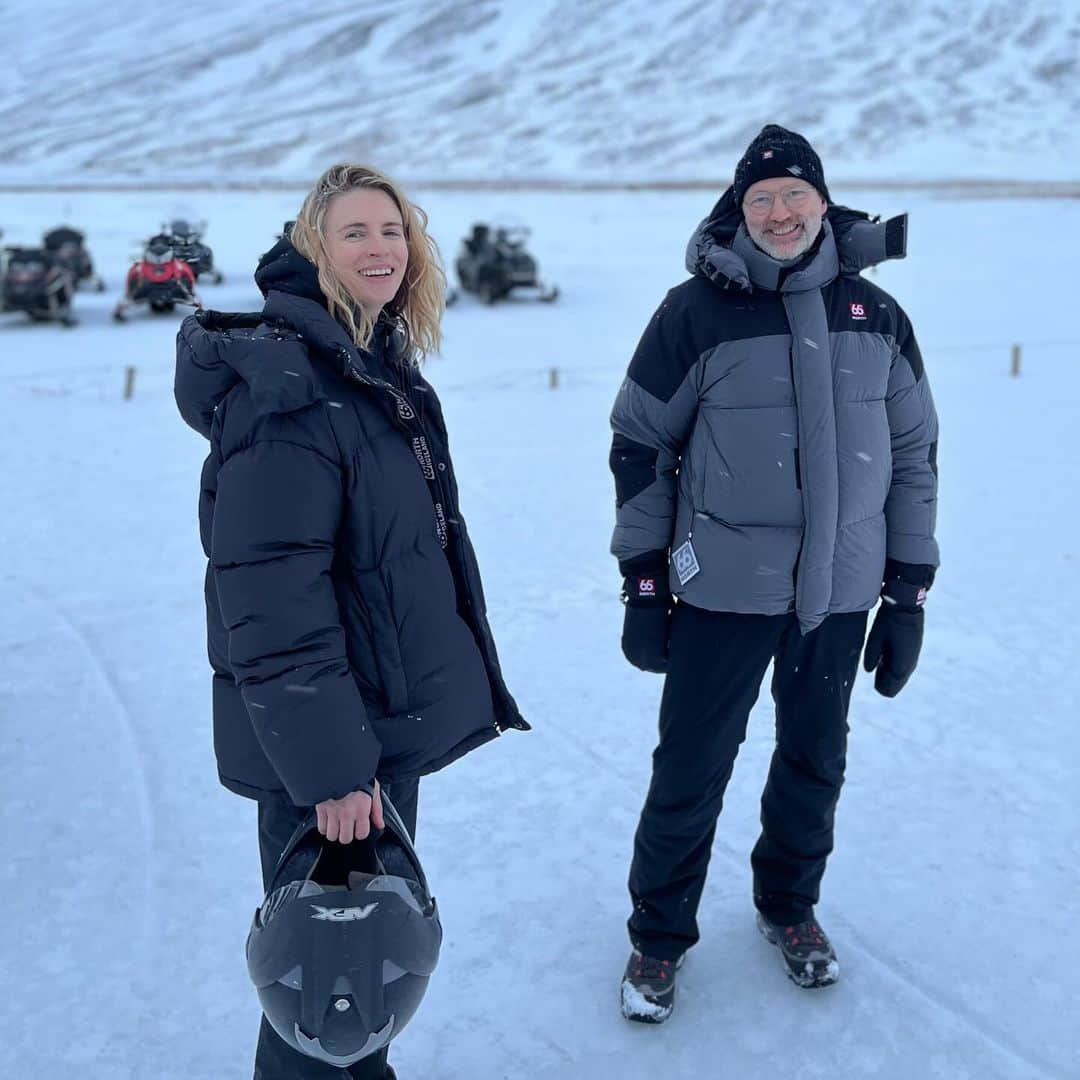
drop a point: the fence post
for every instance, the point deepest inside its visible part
(553, 379)
(1015, 366)
(129, 382)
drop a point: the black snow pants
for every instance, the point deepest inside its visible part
(716, 663)
(274, 1058)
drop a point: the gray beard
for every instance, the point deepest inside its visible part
(788, 260)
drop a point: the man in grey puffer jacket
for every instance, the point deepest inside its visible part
(775, 469)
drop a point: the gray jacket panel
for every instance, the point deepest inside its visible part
(646, 520)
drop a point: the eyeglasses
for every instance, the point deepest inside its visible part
(794, 199)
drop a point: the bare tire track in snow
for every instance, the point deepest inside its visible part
(131, 742)
(1016, 1054)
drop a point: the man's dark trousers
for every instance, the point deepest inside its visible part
(716, 663)
(275, 1059)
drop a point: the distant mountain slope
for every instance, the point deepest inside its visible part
(563, 89)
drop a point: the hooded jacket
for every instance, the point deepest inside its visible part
(775, 436)
(347, 628)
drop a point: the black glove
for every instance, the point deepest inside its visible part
(892, 647)
(647, 622)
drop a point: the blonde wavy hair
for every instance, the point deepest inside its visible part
(420, 301)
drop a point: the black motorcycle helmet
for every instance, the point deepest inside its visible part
(345, 941)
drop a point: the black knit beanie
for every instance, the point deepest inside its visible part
(777, 152)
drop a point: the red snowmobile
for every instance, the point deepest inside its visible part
(159, 279)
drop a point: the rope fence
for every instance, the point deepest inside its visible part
(129, 382)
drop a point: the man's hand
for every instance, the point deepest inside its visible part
(350, 818)
(647, 622)
(892, 648)
(895, 639)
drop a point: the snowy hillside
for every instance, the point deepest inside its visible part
(608, 90)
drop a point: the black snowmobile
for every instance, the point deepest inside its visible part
(189, 247)
(68, 245)
(493, 263)
(37, 283)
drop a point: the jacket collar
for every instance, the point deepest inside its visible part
(312, 323)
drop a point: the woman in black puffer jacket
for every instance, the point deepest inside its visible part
(347, 628)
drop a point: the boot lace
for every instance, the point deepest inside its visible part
(807, 933)
(651, 968)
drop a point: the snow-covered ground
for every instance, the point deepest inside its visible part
(129, 877)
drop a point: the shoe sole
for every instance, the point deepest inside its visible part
(815, 980)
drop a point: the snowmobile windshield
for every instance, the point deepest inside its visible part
(514, 236)
(159, 249)
(183, 230)
(60, 238)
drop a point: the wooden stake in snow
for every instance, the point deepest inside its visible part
(1015, 369)
(129, 382)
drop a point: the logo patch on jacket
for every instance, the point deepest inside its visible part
(858, 311)
(646, 586)
(423, 456)
(440, 525)
(404, 409)
(686, 564)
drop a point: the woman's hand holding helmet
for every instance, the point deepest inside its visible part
(351, 817)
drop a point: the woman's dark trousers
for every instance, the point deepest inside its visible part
(716, 663)
(274, 1058)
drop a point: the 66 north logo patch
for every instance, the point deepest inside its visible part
(858, 311)
(685, 561)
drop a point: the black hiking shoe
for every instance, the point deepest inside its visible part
(809, 959)
(648, 988)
